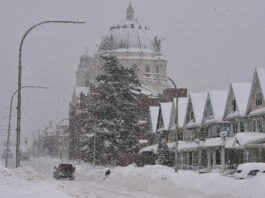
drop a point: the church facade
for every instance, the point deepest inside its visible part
(136, 47)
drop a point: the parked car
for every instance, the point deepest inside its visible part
(64, 171)
(247, 170)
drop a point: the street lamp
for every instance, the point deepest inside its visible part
(19, 81)
(10, 115)
(176, 125)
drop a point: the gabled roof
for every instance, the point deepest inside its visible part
(182, 107)
(154, 111)
(240, 91)
(197, 101)
(166, 110)
(245, 138)
(218, 101)
(259, 75)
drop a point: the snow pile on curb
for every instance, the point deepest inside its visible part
(24, 183)
(161, 180)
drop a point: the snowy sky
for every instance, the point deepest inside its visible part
(209, 43)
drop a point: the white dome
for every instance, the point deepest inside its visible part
(129, 35)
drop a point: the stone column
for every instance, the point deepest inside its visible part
(223, 158)
(208, 159)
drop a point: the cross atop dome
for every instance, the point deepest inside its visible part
(130, 12)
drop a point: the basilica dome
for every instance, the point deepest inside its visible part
(130, 35)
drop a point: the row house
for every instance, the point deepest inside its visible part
(219, 128)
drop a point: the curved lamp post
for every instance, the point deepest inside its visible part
(19, 81)
(9, 120)
(176, 125)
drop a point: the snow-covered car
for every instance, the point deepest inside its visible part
(247, 170)
(64, 171)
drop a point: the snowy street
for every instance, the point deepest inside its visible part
(35, 179)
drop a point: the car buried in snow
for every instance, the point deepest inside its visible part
(249, 170)
(64, 171)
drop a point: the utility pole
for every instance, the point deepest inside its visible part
(19, 81)
(176, 125)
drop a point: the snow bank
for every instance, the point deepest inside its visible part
(163, 181)
(24, 183)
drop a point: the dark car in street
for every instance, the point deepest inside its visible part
(64, 171)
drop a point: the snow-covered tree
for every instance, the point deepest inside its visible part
(163, 153)
(115, 108)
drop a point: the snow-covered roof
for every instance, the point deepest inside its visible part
(245, 138)
(182, 107)
(166, 109)
(257, 111)
(218, 101)
(240, 91)
(147, 91)
(259, 75)
(154, 111)
(198, 101)
(129, 34)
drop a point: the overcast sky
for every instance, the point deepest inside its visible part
(209, 44)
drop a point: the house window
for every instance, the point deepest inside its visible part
(218, 131)
(242, 128)
(259, 125)
(234, 126)
(234, 105)
(258, 99)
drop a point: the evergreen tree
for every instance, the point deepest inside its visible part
(163, 153)
(115, 110)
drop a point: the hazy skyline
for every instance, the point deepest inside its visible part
(209, 44)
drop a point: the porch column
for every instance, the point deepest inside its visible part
(214, 157)
(208, 159)
(223, 159)
(200, 158)
(246, 156)
(192, 159)
(181, 159)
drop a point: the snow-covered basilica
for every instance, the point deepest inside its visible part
(136, 47)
